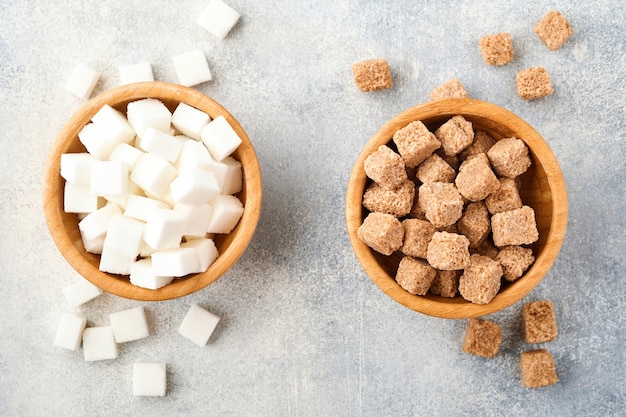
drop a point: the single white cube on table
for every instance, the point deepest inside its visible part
(129, 325)
(164, 229)
(82, 81)
(135, 73)
(127, 154)
(176, 262)
(149, 379)
(153, 174)
(109, 178)
(218, 18)
(161, 144)
(95, 224)
(77, 198)
(142, 275)
(205, 250)
(124, 235)
(113, 125)
(80, 292)
(70, 331)
(225, 214)
(192, 68)
(198, 325)
(99, 343)
(194, 186)
(220, 138)
(76, 167)
(148, 112)
(189, 121)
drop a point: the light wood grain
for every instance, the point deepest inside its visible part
(64, 226)
(542, 188)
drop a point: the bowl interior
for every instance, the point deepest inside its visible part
(542, 188)
(64, 226)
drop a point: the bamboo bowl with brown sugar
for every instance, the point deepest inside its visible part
(64, 226)
(542, 187)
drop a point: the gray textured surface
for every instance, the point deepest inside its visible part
(304, 332)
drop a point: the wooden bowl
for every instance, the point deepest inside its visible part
(542, 188)
(64, 226)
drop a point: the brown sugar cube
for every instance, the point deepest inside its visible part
(533, 83)
(382, 232)
(475, 179)
(515, 260)
(482, 338)
(509, 157)
(481, 144)
(448, 251)
(537, 368)
(504, 198)
(414, 275)
(514, 227)
(415, 143)
(455, 135)
(435, 169)
(480, 281)
(417, 234)
(452, 228)
(416, 211)
(450, 89)
(486, 248)
(441, 202)
(474, 223)
(497, 49)
(372, 74)
(446, 283)
(397, 202)
(385, 167)
(554, 29)
(539, 322)
(452, 160)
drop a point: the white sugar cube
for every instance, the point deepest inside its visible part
(164, 229)
(113, 125)
(189, 121)
(153, 173)
(129, 325)
(127, 154)
(80, 292)
(95, 224)
(198, 325)
(95, 141)
(196, 218)
(218, 18)
(225, 214)
(77, 198)
(70, 331)
(122, 199)
(148, 112)
(192, 68)
(233, 178)
(194, 155)
(115, 263)
(76, 167)
(109, 178)
(82, 81)
(139, 207)
(161, 144)
(135, 73)
(142, 275)
(99, 343)
(149, 379)
(175, 262)
(124, 235)
(220, 138)
(205, 250)
(94, 246)
(194, 186)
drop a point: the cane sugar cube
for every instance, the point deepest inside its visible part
(452, 88)
(218, 18)
(497, 49)
(70, 331)
(372, 75)
(475, 180)
(486, 248)
(96, 143)
(176, 262)
(206, 252)
(455, 135)
(514, 227)
(149, 379)
(124, 235)
(161, 144)
(220, 138)
(226, 210)
(113, 125)
(148, 112)
(80, 292)
(509, 157)
(95, 224)
(474, 223)
(417, 235)
(385, 167)
(505, 198)
(446, 283)
(99, 343)
(127, 154)
(129, 325)
(115, 263)
(82, 81)
(164, 229)
(142, 275)
(515, 260)
(76, 167)
(189, 121)
(197, 218)
(153, 174)
(533, 83)
(539, 322)
(554, 29)
(109, 178)
(537, 368)
(482, 338)
(139, 207)
(453, 160)
(192, 68)
(135, 73)
(397, 202)
(416, 211)
(232, 182)
(480, 281)
(94, 246)
(77, 198)
(448, 251)
(415, 275)
(442, 203)
(382, 232)
(194, 186)
(435, 169)
(198, 325)
(415, 143)
(481, 144)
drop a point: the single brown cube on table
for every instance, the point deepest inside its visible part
(482, 338)
(533, 83)
(539, 322)
(452, 88)
(497, 49)
(537, 368)
(372, 74)
(554, 29)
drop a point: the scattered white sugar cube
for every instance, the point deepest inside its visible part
(113, 125)
(70, 331)
(115, 263)
(148, 112)
(77, 198)
(161, 144)
(175, 262)
(205, 250)
(142, 275)
(233, 179)
(153, 174)
(198, 325)
(124, 235)
(99, 343)
(95, 141)
(164, 229)
(218, 18)
(189, 121)
(109, 178)
(76, 167)
(95, 224)
(149, 379)
(129, 325)
(192, 68)
(94, 246)
(135, 73)
(194, 155)
(220, 138)
(82, 81)
(138, 207)
(225, 214)
(196, 218)
(194, 186)
(80, 292)
(127, 154)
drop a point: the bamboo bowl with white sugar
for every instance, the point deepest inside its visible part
(64, 226)
(542, 188)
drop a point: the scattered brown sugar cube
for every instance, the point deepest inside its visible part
(450, 89)
(474, 223)
(397, 202)
(554, 29)
(435, 169)
(482, 338)
(385, 167)
(448, 251)
(509, 157)
(446, 283)
(486, 248)
(441, 202)
(480, 281)
(539, 322)
(515, 260)
(417, 234)
(372, 74)
(415, 143)
(514, 227)
(476, 180)
(382, 232)
(455, 135)
(481, 144)
(533, 83)
(504, 198)
(415, 275)
(537, 369)
(497, 49)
